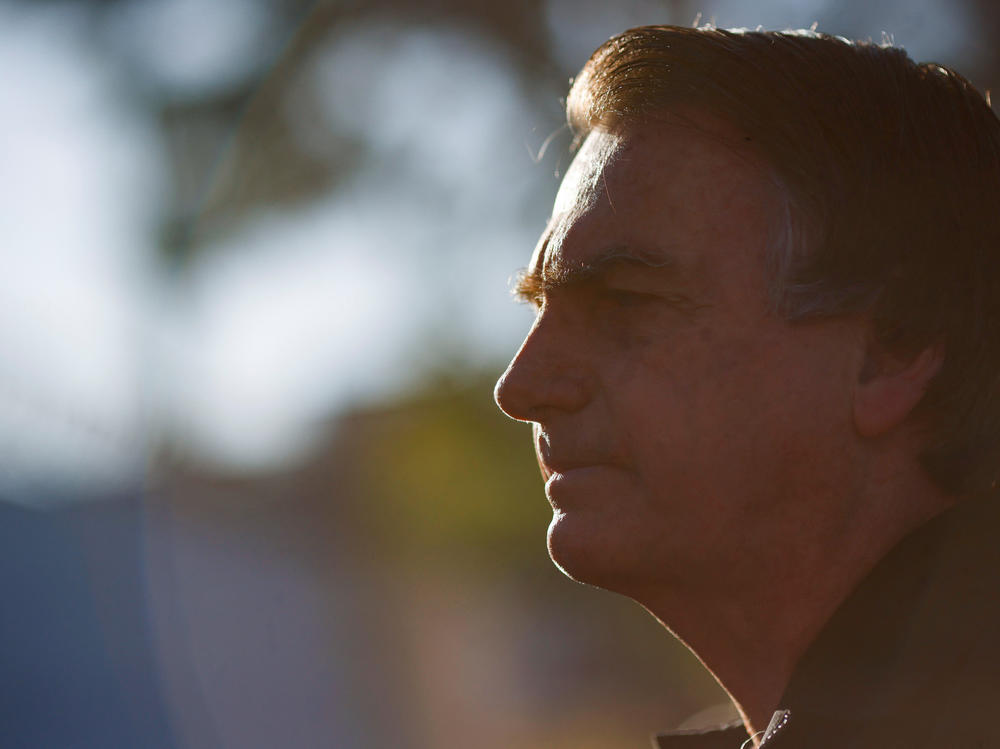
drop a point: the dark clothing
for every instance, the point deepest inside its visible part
(910, 660)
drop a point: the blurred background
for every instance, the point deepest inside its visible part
(255, 262)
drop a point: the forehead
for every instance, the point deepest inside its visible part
(689, 192)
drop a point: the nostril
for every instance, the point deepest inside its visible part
(528, 394)
(545, 374)
(520, 391)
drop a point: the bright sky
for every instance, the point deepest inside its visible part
(76, 201)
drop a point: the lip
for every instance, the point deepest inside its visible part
(562, 469)
(575, 473)
(553, 462)
(566, 486)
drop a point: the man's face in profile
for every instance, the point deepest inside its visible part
(678, 421)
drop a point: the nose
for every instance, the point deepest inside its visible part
(546, 376)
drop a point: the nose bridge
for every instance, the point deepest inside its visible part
(547, 374)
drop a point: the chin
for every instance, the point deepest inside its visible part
(582, 551)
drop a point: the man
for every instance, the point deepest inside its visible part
(763, 376)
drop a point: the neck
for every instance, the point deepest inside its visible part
(752, 631)
(751, 647)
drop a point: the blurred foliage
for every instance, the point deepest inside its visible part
(443, 473)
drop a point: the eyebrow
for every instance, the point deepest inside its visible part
(531, 285)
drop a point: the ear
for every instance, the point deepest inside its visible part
(889, 387)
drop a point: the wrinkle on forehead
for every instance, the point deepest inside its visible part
(583, 183)
(673, 154)
(581, 188)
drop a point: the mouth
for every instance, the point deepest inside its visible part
(580, 486)
(558, 467)
(555, 469)
(552, 464)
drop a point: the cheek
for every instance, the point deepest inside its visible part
(699, 412)
(676, 380)
(663, 406)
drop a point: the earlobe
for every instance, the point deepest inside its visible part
(890, 387)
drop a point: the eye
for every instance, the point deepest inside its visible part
(625, 299)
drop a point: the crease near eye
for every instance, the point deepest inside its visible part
(531, 288)
(626, 298)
